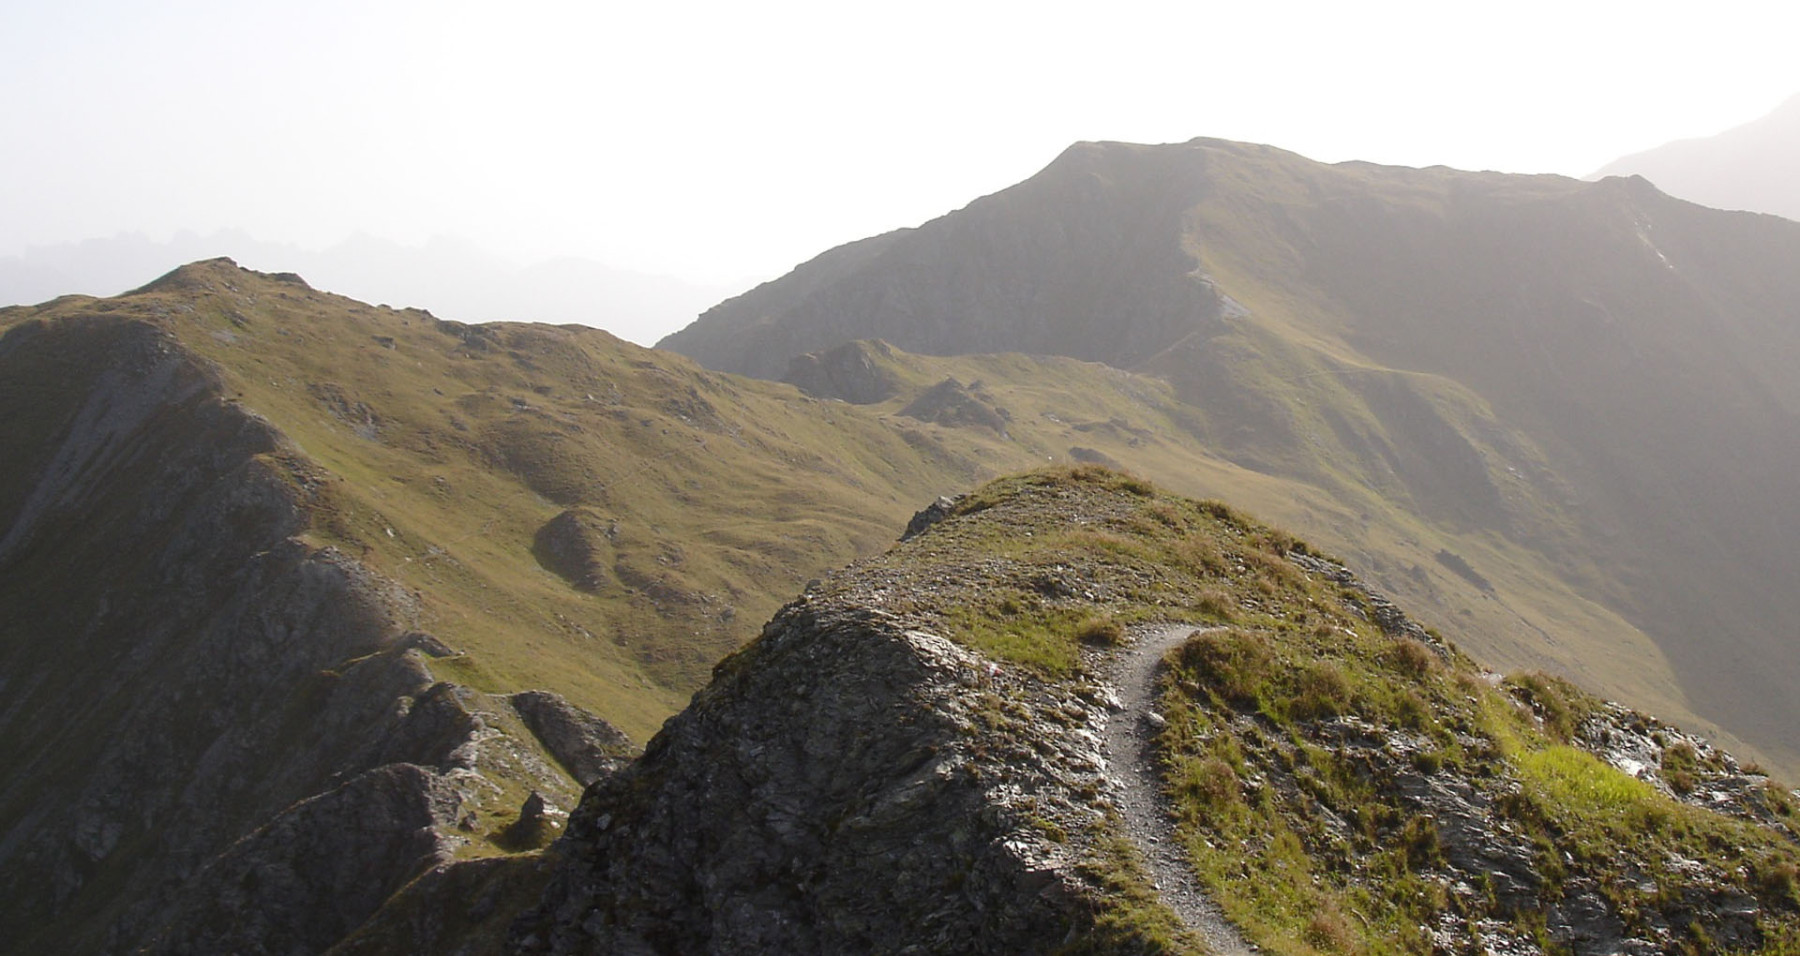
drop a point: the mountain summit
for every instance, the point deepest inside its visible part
(1074, 714)
(318, 620)
(1594, 373)
(1747, 167)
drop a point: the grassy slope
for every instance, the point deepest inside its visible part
(444, 448)
(1571, 310)
(448, 447)
(728, 493)
(1338, 865)
(1532, 618)
(1572, 387)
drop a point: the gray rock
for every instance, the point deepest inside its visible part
(825, 794)
(588, 747)
(317, 871)
(851, 372)
(932, 514)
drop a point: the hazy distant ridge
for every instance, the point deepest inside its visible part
(1750, 167)
(1593, 371)
(452, 278)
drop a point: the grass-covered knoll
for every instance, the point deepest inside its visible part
(442, 455)
(1344, 788)
(1035, 570)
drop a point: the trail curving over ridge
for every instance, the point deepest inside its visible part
(1131, 764)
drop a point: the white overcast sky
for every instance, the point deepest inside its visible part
(731, 140)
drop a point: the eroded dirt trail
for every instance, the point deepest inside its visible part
(1141, 801)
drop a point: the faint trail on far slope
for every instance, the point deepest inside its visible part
(1131, 763)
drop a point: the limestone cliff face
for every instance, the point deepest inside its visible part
(203, 712)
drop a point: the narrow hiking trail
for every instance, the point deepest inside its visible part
(1131, 762)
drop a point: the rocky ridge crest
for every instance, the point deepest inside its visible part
(219, 732)
(913, 758)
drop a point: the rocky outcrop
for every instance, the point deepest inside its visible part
(1688, 767)
(588, 747)
(1473, 843)
(1508, 846)
(931, 514)
(319, 869)
(576, 545)
(952, 404)
(219, 735)
(852, 372)
(1371, 604)
(842, 786)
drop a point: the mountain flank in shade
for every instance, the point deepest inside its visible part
(1749, 167)
(321, 619)
(1594, 373)
(921, 754)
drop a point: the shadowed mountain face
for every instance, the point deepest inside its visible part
(1748, 167)
(316, 618)
(1084, 260)
(1595, 372)
(195, 687)
(909, 759)
(301, 599)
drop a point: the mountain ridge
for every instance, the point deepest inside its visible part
(909, 758)
(1569, 366)
(370, 543)
(198, 673)
(1745, 167)
(456, 278)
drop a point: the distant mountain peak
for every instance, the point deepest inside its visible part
(1748, 167)
(1481, 350)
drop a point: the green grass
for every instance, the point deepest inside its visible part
(1328, 862)
(1303, 842)
(485, 433)
(1133, 919)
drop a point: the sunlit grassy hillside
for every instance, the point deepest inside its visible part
(1345, 783)
(1512, 605)
(579, 514)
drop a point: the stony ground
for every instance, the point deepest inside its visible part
(1131, 761)
(946, 749)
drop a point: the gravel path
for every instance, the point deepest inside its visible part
(1146, 811)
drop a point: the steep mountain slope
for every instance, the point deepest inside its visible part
(1084, 260)
(458, 279)
(301, 600)
(1747, 167)
(911, 759)
(194, 691)
(289, 587)
(274, 558)
(1594, 374)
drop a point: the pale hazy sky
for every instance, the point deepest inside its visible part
(728, 140)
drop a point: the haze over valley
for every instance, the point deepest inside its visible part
(712, 480)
